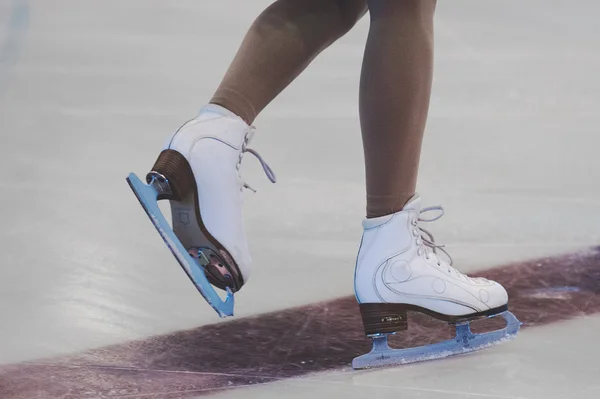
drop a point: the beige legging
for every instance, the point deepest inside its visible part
(395, 81)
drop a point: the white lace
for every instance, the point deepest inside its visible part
(425, 241)
(268, 171)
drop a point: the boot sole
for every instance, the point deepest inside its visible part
(387, 318)
(221, 270)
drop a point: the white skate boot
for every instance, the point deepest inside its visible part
(399, 270)
(198, 172)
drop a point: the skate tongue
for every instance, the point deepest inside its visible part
(413, 204)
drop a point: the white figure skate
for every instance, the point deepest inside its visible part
(399, 270)
(198, 172)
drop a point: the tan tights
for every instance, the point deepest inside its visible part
(395, 81)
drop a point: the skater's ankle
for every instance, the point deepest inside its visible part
(235, 107)
(384, 205)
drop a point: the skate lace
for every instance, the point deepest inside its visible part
(267, 169)
(426, 241)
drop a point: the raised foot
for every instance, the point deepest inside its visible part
(148, 195)
(465, 341)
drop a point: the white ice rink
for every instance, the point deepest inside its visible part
(89, 90)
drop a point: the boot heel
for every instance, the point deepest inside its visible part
(174, 174)
(383, 318)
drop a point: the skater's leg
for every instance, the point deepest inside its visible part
(394, 99)
(280, 44)
(200, 165)
(400, 268)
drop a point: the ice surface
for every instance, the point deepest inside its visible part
(511, 151)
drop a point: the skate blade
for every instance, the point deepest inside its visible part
(148, 197)
(465, 341)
